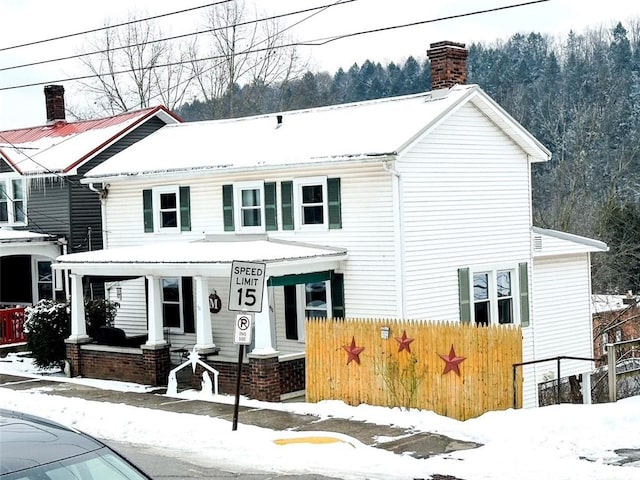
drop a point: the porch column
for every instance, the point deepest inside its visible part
(78, 323)
(154, 322)
(204, 332)
(265, 331)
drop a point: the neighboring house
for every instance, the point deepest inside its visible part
(44, 210)
(616, 318)
(414, 207)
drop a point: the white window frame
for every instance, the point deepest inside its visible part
(493, 298)
(7, 180)
(238, 188)
(298, 216)
(35, 275)
(301, 306)
(157, 211)
(179, 329)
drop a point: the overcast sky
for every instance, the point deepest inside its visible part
(30, 20)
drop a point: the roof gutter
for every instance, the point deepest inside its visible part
(208, 170)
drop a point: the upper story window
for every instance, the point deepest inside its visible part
(12, 201)
(307, 203)
(167, 209)
(490, 297)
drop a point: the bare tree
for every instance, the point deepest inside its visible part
(134, 69)
(242, 51)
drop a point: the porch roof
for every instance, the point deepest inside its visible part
(209, 256)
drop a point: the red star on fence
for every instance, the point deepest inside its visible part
(404, 342)
(353, 351)
(452, 362)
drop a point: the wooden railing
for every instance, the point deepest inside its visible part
(12, 326)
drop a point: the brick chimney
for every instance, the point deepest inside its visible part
(448, 64)
(54, 99)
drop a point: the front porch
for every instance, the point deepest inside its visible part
(267, 373)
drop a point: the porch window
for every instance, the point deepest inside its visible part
(167, 209)
(171, 304)
(496, 296)
(45, 280)
(12, 201)
(321, 296)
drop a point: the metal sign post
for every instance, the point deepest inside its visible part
(245, 295)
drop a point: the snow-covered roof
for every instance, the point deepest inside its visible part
(63, 146)
(211, 255)
(610, 303)
(7, 234)
(374, 129)
(553, 242)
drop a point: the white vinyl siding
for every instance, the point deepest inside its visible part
(467, 202)
(367, 234)
(561, 316)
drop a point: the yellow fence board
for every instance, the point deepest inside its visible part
(385, 374)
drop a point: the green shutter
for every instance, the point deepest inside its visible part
(187, 305)
(464, 295)
(290, 313)
(185, 209)
(270, 206)
(333, 195)
(147, 209)
(227, 207)
(524, 294)
(337, 295)
(286, 191)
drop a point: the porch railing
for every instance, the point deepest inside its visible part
(12, 326)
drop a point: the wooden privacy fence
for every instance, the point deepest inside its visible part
(457, 370)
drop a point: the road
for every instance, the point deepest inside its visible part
(160, 464)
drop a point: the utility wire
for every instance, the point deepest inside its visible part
(175, 37)
(85, 32)
(317, 42)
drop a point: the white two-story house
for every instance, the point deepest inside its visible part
(414, 207)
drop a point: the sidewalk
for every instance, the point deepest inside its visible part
(406, 441)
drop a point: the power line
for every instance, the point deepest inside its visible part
(85, 32)
(311, 43)
(175, 37)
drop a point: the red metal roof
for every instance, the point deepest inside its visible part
(63, 129)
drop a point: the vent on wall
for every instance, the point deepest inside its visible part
(537, 243)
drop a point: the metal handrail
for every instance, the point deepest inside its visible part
(557, 359)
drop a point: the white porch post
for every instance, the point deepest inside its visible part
(265, 334)
(78, 323)
(204, 332)
(154, 322)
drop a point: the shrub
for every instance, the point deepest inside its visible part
(47, 324)
(99, 312)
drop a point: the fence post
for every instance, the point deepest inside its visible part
(611, 371)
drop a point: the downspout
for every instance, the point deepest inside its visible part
(102, 193)
(398, 238)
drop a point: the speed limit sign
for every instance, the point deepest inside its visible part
(247, 284)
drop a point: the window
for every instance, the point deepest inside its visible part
(167, 209)
(494, 296)
(250, 212)
(312, 295)
(12, 201)
(171, 305)
(249, 207)
(311, 203)
(45, 280)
